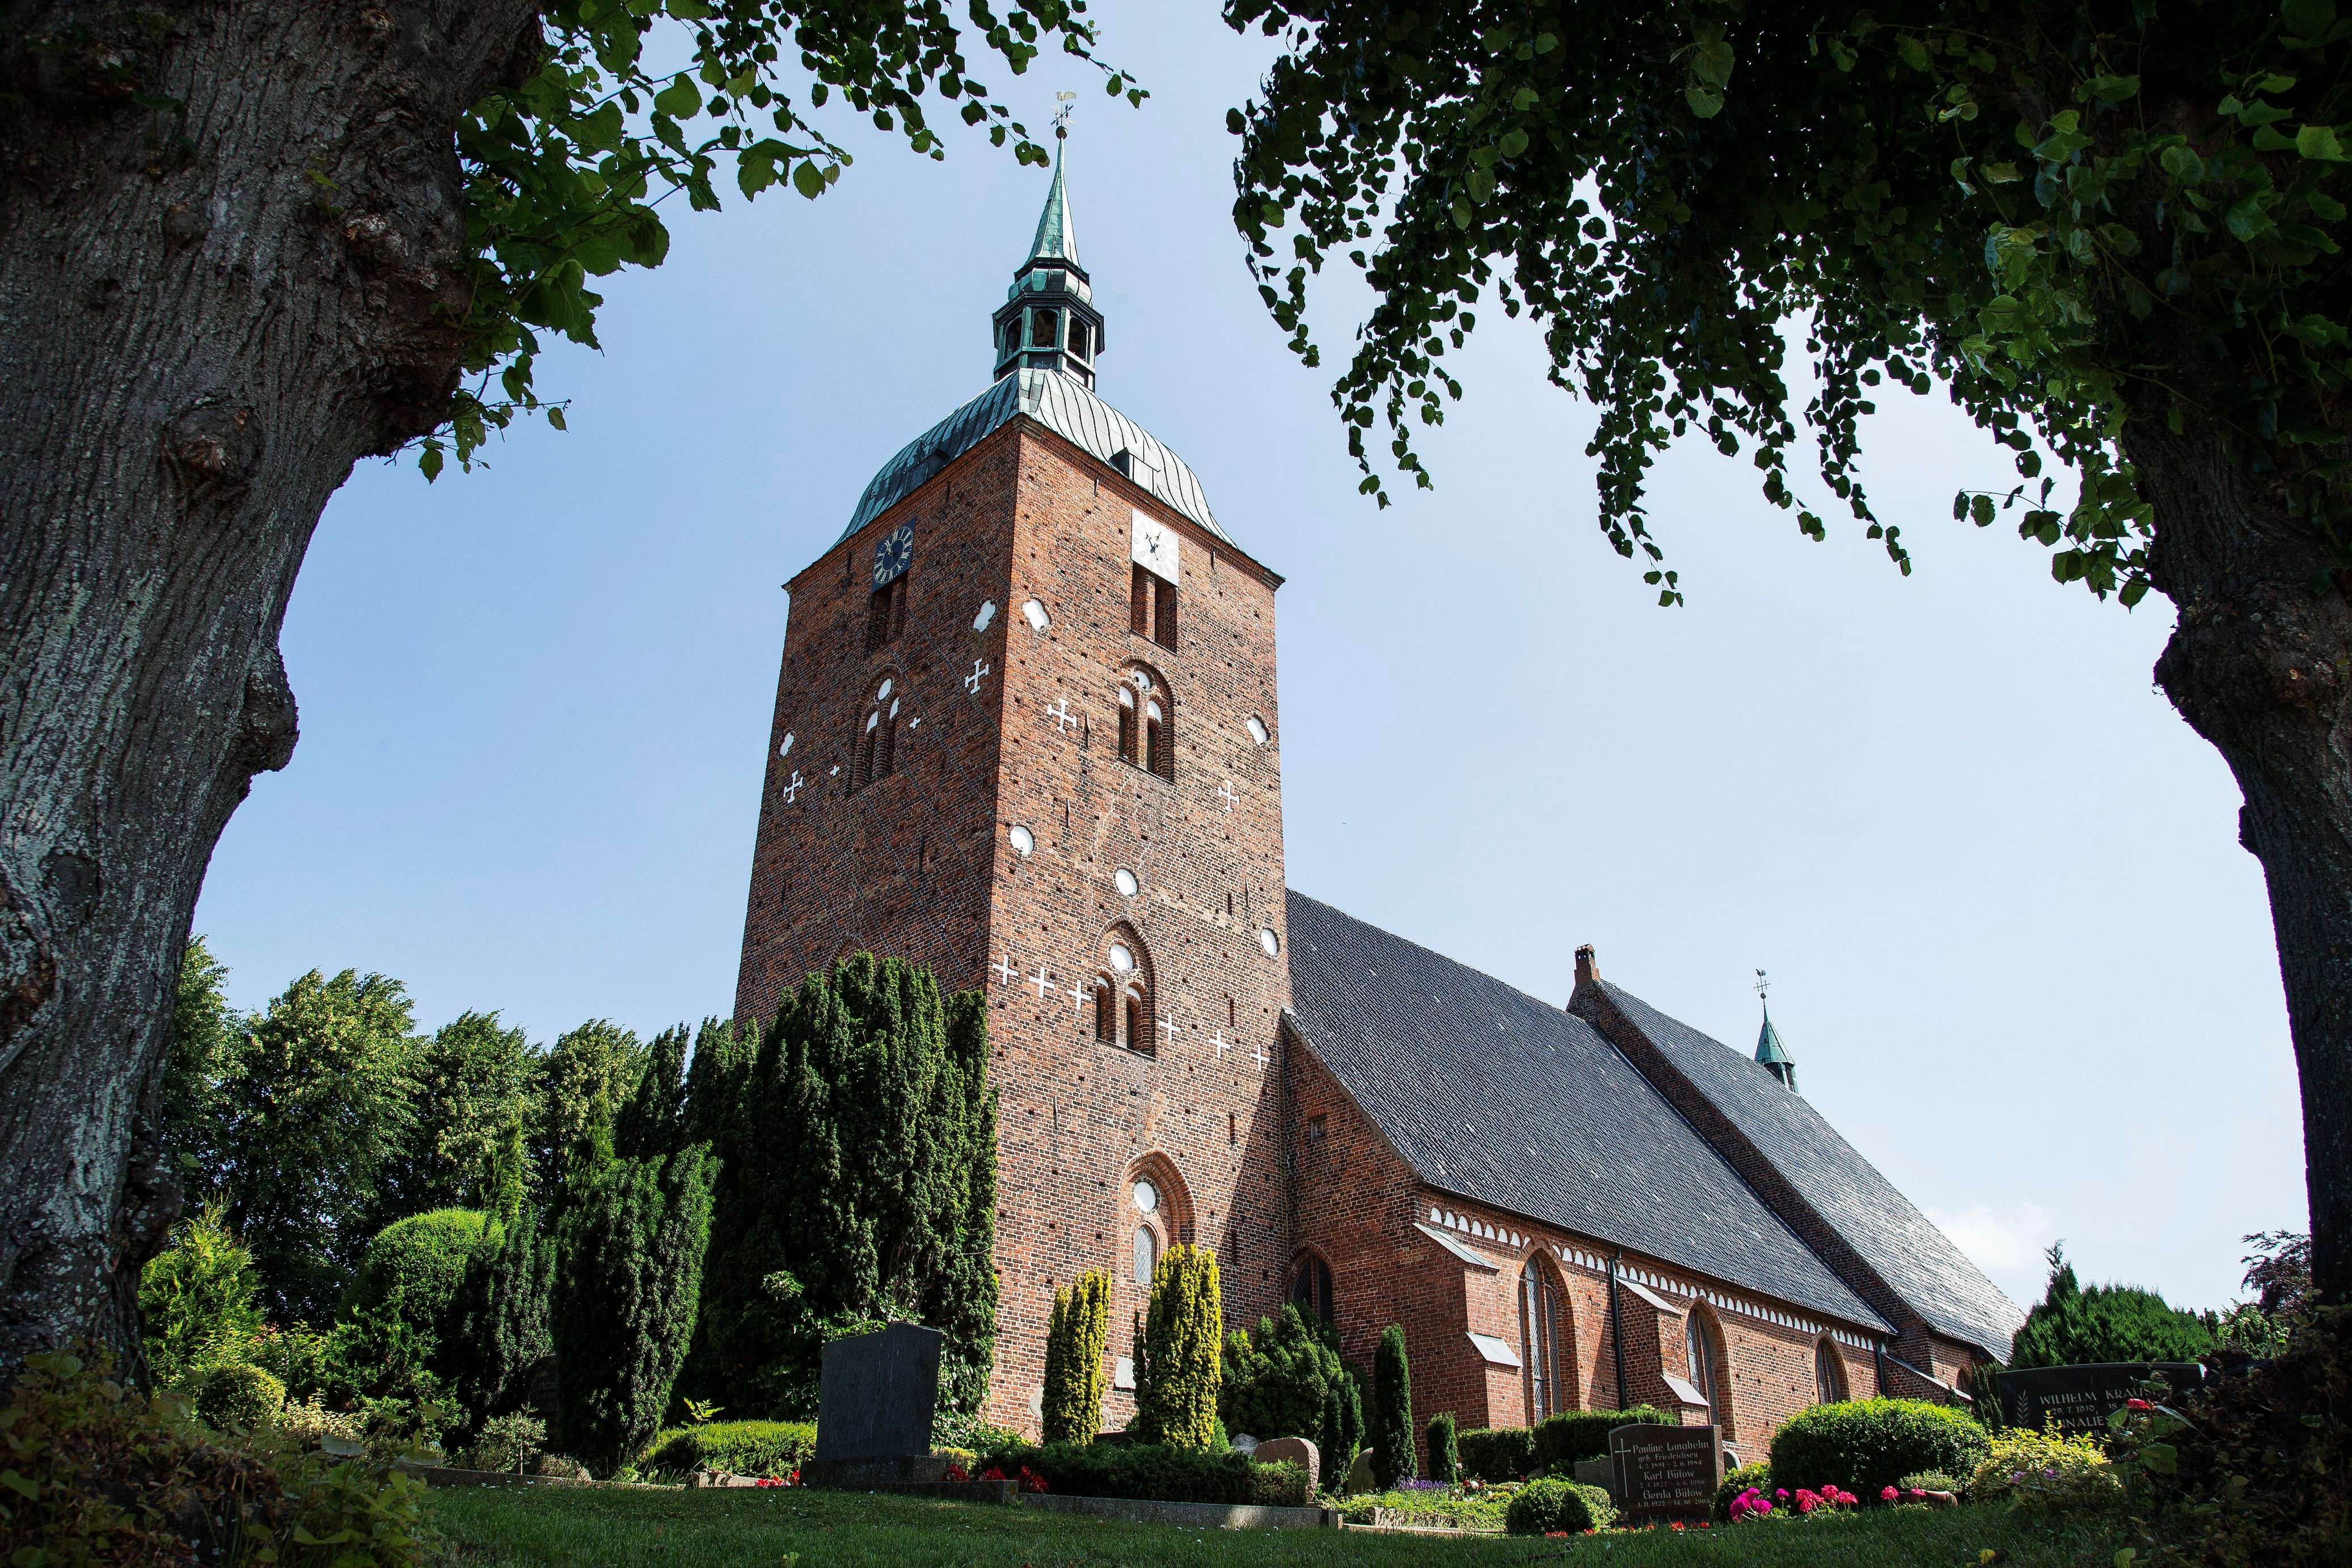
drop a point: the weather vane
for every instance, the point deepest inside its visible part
(1762, 985)
(1062, 115)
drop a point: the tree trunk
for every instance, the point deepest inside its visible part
(2261, 664)
(232, 262)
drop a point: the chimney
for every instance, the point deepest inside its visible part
(1587, 969)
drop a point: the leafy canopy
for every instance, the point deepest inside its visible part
(564, 173)
(2075, 216)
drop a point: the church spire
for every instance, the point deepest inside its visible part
(1048, 321)
(1769, 1050)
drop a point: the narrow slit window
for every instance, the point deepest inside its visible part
(1138, 603)
(1163, 617)
(1127, 752)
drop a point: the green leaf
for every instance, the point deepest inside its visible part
(808, 178)
(1513, 143)
(555, 416)
(2308, 18)
(2111, 90)
(682, 99)
(2248, 221)
(1704, 102)
(2161, 1458)
(1914, 52)
(2183, 164)
(428, 462)
(2002, 313)
(1980, 510)
(2127, 1557)
(2267, 140)
(20, 1484)
(2319, 141)
(1711, 62)
(1998, 173)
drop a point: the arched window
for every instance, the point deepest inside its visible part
(1146, 1254)
(1310, 1286)
(1829, 1372)
(1146, 722)
(1123, 1014)
(1703, 1347)
(874, 751)
(1543, 1317)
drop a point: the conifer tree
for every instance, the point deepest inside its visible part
(2072, 1325)
(636, 1225)
(1445, 1456)
(1075, 1341)
(507, 1358)
(1342, 1437)
(1279, 1382)
(1178, 1364)
(857, 1141)
(1392, 1454)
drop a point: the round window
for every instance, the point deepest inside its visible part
(1033, 612)
(1269, 941)
(885, 692)
(1147, 1197)
(1120, 959)
(1023, 841)
(1124, 880)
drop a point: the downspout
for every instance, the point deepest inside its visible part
(1617, 1327)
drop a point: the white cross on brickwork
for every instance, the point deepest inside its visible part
(1044, 982)
(1005, 973)
(1062, 717)
(1223, 1045)
(1226, 789)
(793, 788)
(971, 681)
(1171, 1026)
(1261, 1057)
(1077, 995)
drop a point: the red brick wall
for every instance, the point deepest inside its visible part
(921, 865)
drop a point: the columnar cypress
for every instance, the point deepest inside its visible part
(506, 1350)
(1445, 1461)
(636, 1225)
(1075, 1342)
(858, 1141)
(1342, 1437)
(1392, 1454)
(1178, 1364)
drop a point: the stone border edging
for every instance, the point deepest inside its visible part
(1198, 1515)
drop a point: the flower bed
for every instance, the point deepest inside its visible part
(1429, 1503)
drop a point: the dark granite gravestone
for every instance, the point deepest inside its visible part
(1667, 1472)
(2081, 1398)
(877, 1393)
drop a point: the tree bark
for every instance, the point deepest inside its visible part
(232, 262)
(2259, 664)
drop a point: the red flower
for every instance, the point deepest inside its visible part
(2138, 1404)
(956, 1473)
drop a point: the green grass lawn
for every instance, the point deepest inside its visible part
(801, 1529)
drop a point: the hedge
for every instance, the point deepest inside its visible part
(1566, 1441)
(1497, 1453)
(1867, 1444)
(1549, 1506)
(1157, 1473)
(738, 1448)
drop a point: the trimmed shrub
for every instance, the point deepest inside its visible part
(1553, 1506)
(1076, 1339)
(233, 1394)
(1498, 1453)
(1278, 1383)
(1156, 1472)
(1444, 1459)
(414, 1269)
(1867, 1444)
(1933, 1480)
(1738, 1480)
(738, 1448)
(1343, 1429)
(1392, 1454)
(1179, 1348)
(1565, 1440)
(2043, 1470)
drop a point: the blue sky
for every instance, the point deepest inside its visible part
(2016, 951)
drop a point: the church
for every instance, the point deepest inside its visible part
(1027, 732)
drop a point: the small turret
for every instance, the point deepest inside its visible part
(1048, 321)
(1769, 1049)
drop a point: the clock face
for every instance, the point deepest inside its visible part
(894, 554)
(1155, 547)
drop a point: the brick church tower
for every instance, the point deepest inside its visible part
(1026, 732)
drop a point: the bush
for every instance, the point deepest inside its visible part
(110, 1476)
(1280, 1382)
(1445, 1454)
(1566, 1441)
(196, 1300)
(1178, 1349)
(1074, 1340)
(235, 1396)
(414, 1267)
(2045, 1470)
(1552, 1506)
(507, 1442)
(1343, 1429)
(1430, 1505)
(1157, 1473)
(738, 1448)
(1392, 1454)
(1934, 1480)
(1736, 1481)
(1867, 1444)
(1498, 1453)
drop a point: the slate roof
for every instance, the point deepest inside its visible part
(1062, 406)
(1495, 1095)
(1916, 1259)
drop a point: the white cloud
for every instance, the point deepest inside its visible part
(2007, 1243)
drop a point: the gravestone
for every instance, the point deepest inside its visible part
(1667, 1472)
(1360, 1476)
(1296, 1451)
(2081, 1398)
(1601, 1472)
(877, 1393)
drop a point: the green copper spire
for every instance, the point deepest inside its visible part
(1057, 233)
(1769, 1049)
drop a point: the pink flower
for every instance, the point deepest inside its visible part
(1889, 1495)
(1782, 1492)
(1807, 1500)
(1918, 1491)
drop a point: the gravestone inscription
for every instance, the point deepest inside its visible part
(1667, 1472)
(2081, 1398)
(877, 1393)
